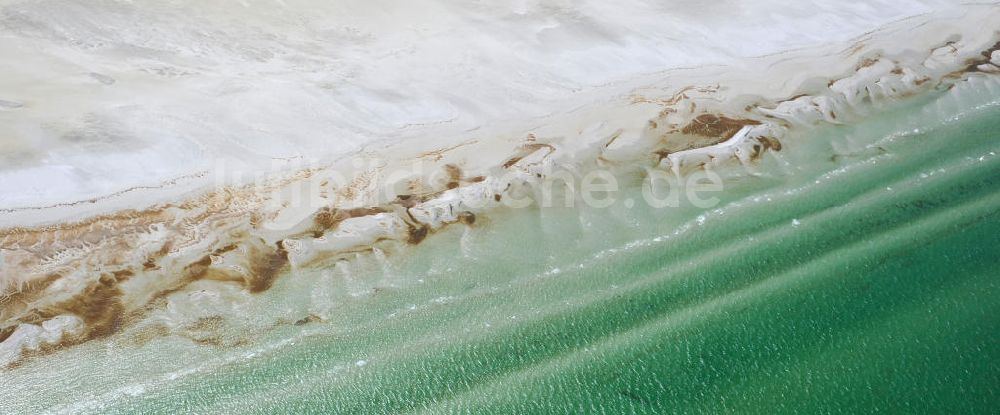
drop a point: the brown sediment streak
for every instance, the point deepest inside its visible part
(407, 201)
(870, 84)
(263, 265)
(437, 155)
(716, 126)
(614, 137)
(417, 234)
(661, 154)
(357, 185)
(330, 217)
(192, 272)
(99, 306)
(266, 269)
(455, 175)
(972, 65)
(512, 161)
(5, 332)
(467, 218)
(29, 289)
(527, 150)
(91, 228)
(770, 143)
(18, 304)
(308, 319)
(867, 62)
(454, 172)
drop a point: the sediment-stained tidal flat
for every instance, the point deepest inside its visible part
(256, 209)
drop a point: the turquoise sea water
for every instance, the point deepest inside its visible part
(857, 272)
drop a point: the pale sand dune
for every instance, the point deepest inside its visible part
(107, 96)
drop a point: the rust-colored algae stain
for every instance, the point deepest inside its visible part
(266, 269)
(467, 218)
(437, 155)
(972, 65)
(988, 53)
(715, 126)
(197, 270)
(406, 201)
(27, 291)
(417, 234)
(772, 143)
(85, 229)
(661, 154)
(454, 172)
(867, 62)
(329, 217)
(512, 161)
(99, 306)
(455, 176)
(192, 272)
(6, 332)
(527, 150)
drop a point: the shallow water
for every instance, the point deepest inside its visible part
(855, 271)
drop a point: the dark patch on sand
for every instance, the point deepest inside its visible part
(329, 218)
(467, 218)
(715, 126)
(6, 332)
(312, 318)
(417, 234)
(266, 269)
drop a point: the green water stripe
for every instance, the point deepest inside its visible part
(853, 256)
(602, 306)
